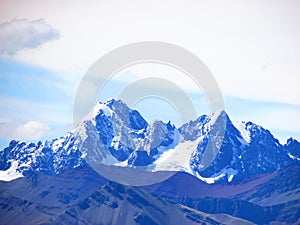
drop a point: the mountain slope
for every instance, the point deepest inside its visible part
(79, 196)
(268, 199)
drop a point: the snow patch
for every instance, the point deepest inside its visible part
(211, 180)
(105, 109)
(11, 173)
(84, 154)
(122, 164)
(293, 157)
(57, 144)
(177, 158)
(229, 172)
(230, 177)
(241, 126)
(95, 111)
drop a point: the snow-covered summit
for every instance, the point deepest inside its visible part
(211, 147)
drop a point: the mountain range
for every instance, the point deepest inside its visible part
(116, 168)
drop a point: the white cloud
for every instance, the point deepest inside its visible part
(234, 50)
(19, 34)
(31, 130)
(253, 57)
(57, 116)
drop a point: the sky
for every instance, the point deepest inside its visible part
(252, 49)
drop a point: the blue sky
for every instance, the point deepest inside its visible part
(25, 82)
(46, 48)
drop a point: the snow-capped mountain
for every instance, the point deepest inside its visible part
(211, 148)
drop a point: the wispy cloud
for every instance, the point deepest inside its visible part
(21, 34)
(31, 130)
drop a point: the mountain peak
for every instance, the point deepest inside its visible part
(218, 114)
(111, 103)
(292, 141)
(243, 129)
(210, 147)
(219, 120)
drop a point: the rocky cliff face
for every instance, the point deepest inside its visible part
(210, 148)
